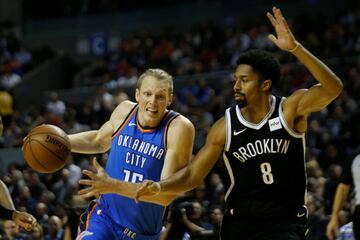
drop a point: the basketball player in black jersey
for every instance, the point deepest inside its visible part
(262, 139)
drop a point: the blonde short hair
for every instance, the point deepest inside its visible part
(158, 74)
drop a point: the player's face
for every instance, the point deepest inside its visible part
(247, 85)
(153, 98)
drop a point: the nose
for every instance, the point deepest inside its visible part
(237, 86)
(152, 99)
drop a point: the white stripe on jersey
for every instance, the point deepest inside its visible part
(284, 123)
(228, 129)
(231, 174)
(355, 171)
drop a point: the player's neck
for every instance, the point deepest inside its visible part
(257, 111)
(150, 124)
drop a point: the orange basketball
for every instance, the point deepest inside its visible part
(46, 148)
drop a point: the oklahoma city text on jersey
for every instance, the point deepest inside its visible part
(141, 147)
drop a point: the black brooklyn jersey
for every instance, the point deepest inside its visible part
(266, 164)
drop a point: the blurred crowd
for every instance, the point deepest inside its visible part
(333, 134)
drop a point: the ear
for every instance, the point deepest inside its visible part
(137, 94)
(266, 85)
(170, 100)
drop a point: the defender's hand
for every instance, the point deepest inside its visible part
(285, 39)
(98, 183)
(147, 188)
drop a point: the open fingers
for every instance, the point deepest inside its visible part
(96, 163)
(86, 182)
(88, 173)
(277, 13)
(271, 18)
(272, 38)
(87, 192)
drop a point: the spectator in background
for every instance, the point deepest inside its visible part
(63, 188)
(55, 229)
(215, 215)
(12, 231)
(55, 105)
(9, 80)
(37, 233)
(119, 96)
(41, 214)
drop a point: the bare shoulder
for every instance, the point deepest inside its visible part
(219, 124)
(293, 100)
(122, 110)
(181, 122)
(181, 126)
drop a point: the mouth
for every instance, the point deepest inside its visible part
(239, 96)
(151, 111)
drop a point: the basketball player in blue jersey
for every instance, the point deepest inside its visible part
(146, 141)
(263, 142)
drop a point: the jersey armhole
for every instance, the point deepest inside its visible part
(167, 128)
(285, 124)
(125, 121)
(228, 130)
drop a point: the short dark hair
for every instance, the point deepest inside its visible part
(262, 62)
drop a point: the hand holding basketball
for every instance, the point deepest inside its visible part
(46, 148)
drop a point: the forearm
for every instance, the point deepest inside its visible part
(86, 142)
(181, 181)
(5, 198)
(324, 75)
(129, 190)
(339, 200)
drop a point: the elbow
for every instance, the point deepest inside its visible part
(338, 89)
(102, 145)
(103, 149)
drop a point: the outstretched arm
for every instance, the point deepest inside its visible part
(8, 211)
(318, 96)
(99, 141)
(342, 192)
(191, 176)
(5, 198)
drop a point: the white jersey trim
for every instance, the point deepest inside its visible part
(231, 175)
(284, 123)
(259, 125)
(228, 129)
(355, 171)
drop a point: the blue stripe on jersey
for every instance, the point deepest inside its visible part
(137, 155)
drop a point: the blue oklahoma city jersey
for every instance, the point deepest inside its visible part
(137, 154)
